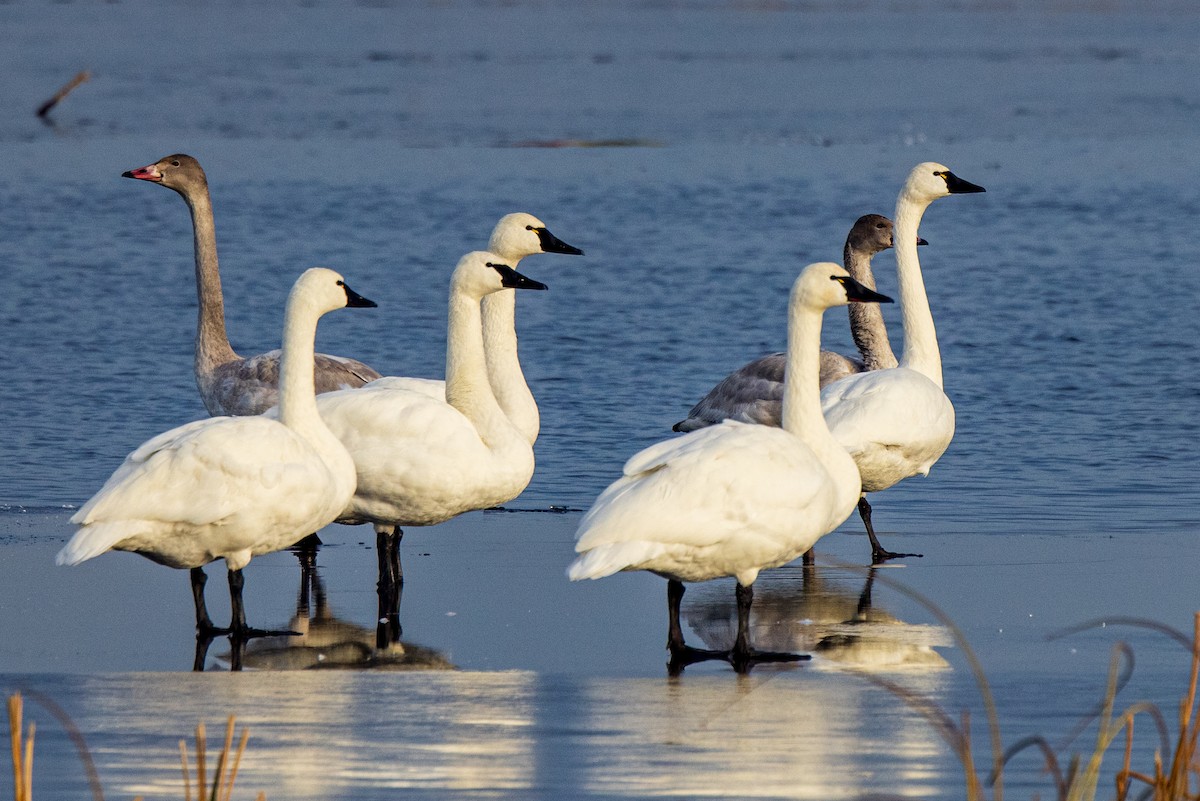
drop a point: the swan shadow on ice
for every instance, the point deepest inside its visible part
(821, 610)
(321, 641)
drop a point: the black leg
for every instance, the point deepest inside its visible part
(743, 657)
(878, 553)
(809, 559)
(237, 620)
(682, 654)
(204, 624)
(675, 591)
(237, 623)
(390, 586)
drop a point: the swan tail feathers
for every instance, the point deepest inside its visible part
(91, 541)
(604, 560)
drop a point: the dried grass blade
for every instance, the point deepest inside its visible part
(237, 761)
(187, 777)
(201, 767)
(15, 708)
(27, 773)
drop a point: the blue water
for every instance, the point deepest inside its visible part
(739, 142)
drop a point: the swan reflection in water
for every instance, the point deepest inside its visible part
(821, 610)
(322, 641)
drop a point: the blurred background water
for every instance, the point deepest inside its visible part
(700, 153)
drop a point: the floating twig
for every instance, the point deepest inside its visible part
(82, 77)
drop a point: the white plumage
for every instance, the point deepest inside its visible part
(231, 487)
(515, 236)
(735, 498)
(420, 459)
(897, 422)
(892, 416)
(895, 425)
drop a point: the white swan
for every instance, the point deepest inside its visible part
(231, 487)
(422, 460)
(735, 498)
(754, 392)
(229, 383)
(515, 236)
(897, 422)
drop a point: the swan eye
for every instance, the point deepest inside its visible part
(341, 283)
(529, 228)
(174, 163)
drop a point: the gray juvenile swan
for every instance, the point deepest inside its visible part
(754, 392)
(231, 384)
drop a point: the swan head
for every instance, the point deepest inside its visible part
(519, 235)
(180, 172)
(929, 181)
(324, 290)
(824, 285)
(480, 273)
(872, 233)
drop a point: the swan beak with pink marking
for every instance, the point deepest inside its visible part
(149, 173)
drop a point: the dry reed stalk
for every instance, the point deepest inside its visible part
(201, 777)
(224, 772)
(22, 749)
(1122, 777)
(187, 777)
(237, 760)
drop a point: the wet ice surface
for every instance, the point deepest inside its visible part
(560, 687)
(379, 141)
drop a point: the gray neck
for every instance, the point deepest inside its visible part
(866, 319)
(212, 342)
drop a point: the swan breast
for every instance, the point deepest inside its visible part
(895, 423)
(420, 461)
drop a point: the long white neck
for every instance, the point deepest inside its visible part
(866, 319)
(504, 364)
(920, 337)
(467, 386)
(212, 341)
(297, 398)
(801, 384)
